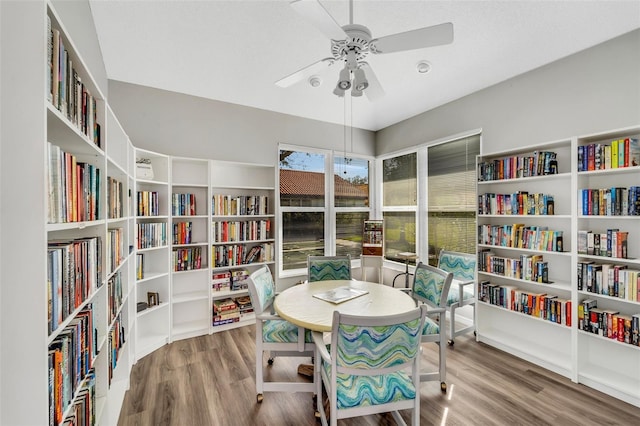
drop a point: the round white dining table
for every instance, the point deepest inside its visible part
(298, 305)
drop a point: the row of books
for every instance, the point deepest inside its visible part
(540, 305)
(609, 279)
(74, 273)
(520, 202)
(83, 411)
(251, 230)
(183, 204)
(73, 188)
(70, 360)
(187, 259)
(115, 248)
(610, 201)
(229, 310)
(526, 267)
(182, 232)
(116, 340)
(518, 235)
(229, 280)
(66, 91)
(114, 295)
(612, 243)
(609, 323)
(538, 164)
(151, 234)
(619, 153)
(239, 205)
(115, 198)
(148, 203)
(241, 254)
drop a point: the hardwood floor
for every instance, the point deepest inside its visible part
(209, 380)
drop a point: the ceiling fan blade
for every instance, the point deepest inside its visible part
(305, 72)
(375, 90)
(314, 12)
(415, 39)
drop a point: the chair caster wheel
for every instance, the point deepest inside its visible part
(451, 342)
(443, 387)
(270, 361)
(259, 398)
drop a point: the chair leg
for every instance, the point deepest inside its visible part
(452, 322)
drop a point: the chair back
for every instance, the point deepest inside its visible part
(461, 265)
(431, 285)
(262, 289)
(322, 268)
(386, 344)
(371, 262)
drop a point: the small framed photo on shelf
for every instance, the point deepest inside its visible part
(153, 299)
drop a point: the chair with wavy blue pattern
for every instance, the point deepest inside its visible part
(430, 288)
(322, 268)
(275, 335)
(371, 366)
(461, 293)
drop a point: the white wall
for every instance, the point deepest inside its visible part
(184, 125)
(591, 91)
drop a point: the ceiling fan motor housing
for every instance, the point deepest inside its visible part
(358, 40)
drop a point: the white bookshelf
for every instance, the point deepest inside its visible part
(189, 286)
(620, 378)
(35, 122)
(597, 361)
(152, 244)
(240, 180)
(544, 342)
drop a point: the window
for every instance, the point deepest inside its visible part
(351, 201)
(452, 196)
(302, 205)
(400, 193)
(313, 223)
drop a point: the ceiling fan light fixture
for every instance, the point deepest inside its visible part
(344, 82)
(423, 67)
(360, 80)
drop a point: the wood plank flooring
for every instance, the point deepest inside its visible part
(210, 380)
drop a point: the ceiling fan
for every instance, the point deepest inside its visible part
(352, 44)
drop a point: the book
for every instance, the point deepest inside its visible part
(340, 294)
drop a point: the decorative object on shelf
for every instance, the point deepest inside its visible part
(144, 169)
(141, 306)
(153, 298)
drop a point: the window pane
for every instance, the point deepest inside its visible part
(301, 179)
(349, 233)
(399, 180)
(399, 234)
(351, 182)
(452, 196)
(451, 231)
(302, 236)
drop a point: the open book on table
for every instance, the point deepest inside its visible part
(340, 294)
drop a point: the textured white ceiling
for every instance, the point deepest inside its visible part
(234, 51)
